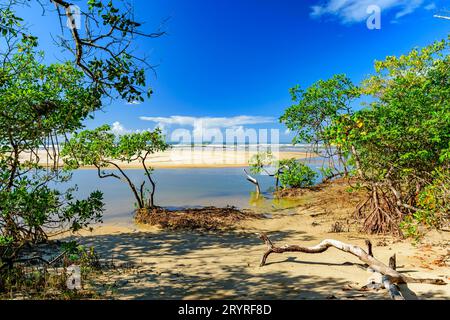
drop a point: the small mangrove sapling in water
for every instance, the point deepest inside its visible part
(258, 164)
(290, 173)
(103, 149)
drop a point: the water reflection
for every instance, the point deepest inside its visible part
(266, 202)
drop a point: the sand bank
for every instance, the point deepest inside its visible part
(190, 158)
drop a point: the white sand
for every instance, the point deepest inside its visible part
(191, 158)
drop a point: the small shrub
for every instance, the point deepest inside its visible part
(34, 279)
(435, 200)
(434, 204)
(411, 228)
(296, 175)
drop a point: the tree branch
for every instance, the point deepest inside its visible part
(394, 276)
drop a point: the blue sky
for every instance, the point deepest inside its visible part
(234, 58)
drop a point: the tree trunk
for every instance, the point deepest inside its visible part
(357, 162)
(149, 176)
(130, 184)
(254, 181)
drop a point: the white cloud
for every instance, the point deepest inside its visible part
(134, 102)
(118, 129)
(410, 8)
(203, 127)
(199, 123)
(351, 11)
(431, 6)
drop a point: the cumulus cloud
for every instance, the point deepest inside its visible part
(199, 123)
(351, 11)
(203, 127)
(207, 128)
(118, 129)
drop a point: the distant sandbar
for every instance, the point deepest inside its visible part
(191, 158)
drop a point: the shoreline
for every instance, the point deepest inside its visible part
(191, 264)
(188, 159)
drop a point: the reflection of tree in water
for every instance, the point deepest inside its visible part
(266, 202)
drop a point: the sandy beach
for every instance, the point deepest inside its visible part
(198, 157)
(156, 264)
(152, 263)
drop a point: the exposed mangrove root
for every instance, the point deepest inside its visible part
(380, 213)
(390, 276)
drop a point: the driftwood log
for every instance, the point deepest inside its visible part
(390, 276)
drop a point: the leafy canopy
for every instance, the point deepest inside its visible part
(316, 107)
(39, 104)
(404, 134)
(295, 174)
(99, 147)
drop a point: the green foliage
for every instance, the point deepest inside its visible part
(295, 174)
(314, 111)
(5, 241)
(38, 105)
(436, 195)
(101, 148)
(41, 104)
(434, 200)
(9, 22)
(261, 160)
(404, 135)
(395, 142)
(317, 106)
(124, 71)
(102, 50)
(290, 172)
(79, 254)
(411, 125)
(30, 206)
(38, 100)
(411, 228)
(327, 173)
(50, 282)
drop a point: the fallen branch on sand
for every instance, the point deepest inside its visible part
(390, 277)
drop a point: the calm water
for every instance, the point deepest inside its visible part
(175, 188)
(179, 188)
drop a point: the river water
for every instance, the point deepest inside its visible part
(180, 188)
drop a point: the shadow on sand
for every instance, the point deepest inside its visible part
(192, 265)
